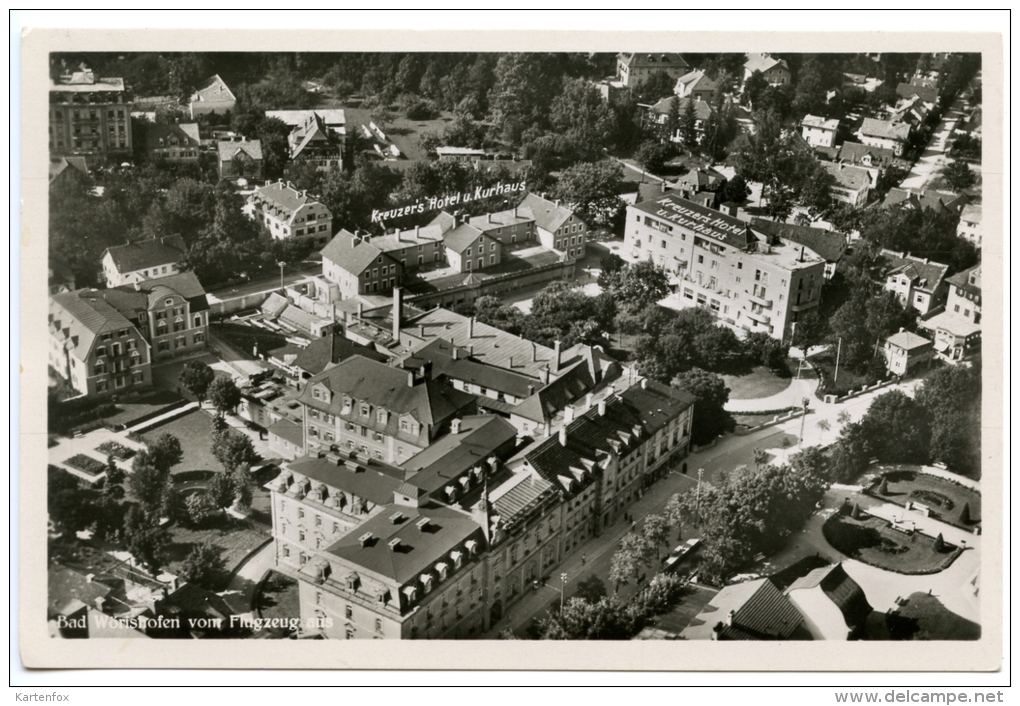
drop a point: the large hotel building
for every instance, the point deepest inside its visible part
(751, 280)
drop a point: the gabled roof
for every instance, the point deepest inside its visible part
(854, 152)
(331, 349)
(313, 129)
(927, 274)
(214, 89)
(544, 404)
(920, 200)
(82, 315)
(848, 176)
(969, 280)
(928, 94)
(526, 491)
(145, 254)
(500, 219)
(351, 256)
(60, 165)
(439, 353)
(370, 479)
(971, 213)
(462, 237)
(885, 129)
(766, 614)
(696, 80)
(702, 110)
(186, 133)
(656, 404)
(547, 214)
(763, 62)
(827, 244)
(284, 196)
(228, 150)
(66, 586)
(701, 180)
(843, 591)
(333, 117)
(418, 550)
(184, 283)
(651, 60)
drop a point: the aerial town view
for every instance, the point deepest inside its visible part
(515, 346)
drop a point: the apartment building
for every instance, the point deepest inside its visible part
(957, 330)
(143, 260)
(633, 68)
(291, 213)
(90, 116)
(819, 132)
(752, 280)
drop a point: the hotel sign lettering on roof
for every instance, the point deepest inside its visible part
(715, 225)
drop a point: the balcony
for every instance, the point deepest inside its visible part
(804, 306)
(763, 303)
(759, 318)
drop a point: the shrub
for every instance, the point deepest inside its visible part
(86, 464)
(965, 514)
(118, 451)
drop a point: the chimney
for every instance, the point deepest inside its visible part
(410, 378)
(556, 358)
(417, 229)
(902, 329)
(398, 311)
(471, 349)
(644, 383)
(422, 524)
(602, 408)
(563, 436)
(421, 330)
(393, 544)
(364, 539)
(531, 389)
(543, 375)
(557, 202)
(360, 310)
(488, 218)
(455, 426)
(588, 400)
(471, 328)
(568, 415)
(511, 362)
(729, 617)
(455, 353)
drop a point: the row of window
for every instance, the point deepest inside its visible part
(120, 382)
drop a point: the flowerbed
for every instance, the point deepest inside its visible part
(86, 464)
(118, 451)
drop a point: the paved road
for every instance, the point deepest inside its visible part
(240, 593)
(292, 273)
(933, 158)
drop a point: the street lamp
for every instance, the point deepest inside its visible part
(563, 586)
(697, 498)
(282, 264)
(803, 418)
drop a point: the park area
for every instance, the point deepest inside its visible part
(194, 431)
(947, 501)
(757, 383)
(278, 598)
(873, 541)
(233, 538)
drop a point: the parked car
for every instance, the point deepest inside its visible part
(673, 561)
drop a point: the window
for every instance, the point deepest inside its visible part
(701, 259)
(349, 612)
(378, 625)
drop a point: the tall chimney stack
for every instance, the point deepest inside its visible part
(471, 328)
(556, 357)
(398, 311)
(410, 378)
(563, 436)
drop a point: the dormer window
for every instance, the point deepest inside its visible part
(381, 416)
(442, 569)
(168, 302)
(366, 410)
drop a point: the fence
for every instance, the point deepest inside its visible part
(793, 413)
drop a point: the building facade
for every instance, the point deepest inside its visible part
(240, 160)
(918, 283)
(90, 117)
(634, 68)
(751, 280)
(970, 224)
(957, 330)
(819, 132)
(178, 143)
(905, 351)
(287, 213)
(213, 97)
(775, 71)
(143, 260)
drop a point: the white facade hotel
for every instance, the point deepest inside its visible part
(750, 280)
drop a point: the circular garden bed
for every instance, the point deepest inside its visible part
(873, 541)
(950, 502)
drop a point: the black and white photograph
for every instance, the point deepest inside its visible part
(656, 341)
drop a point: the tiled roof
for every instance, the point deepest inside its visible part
(333, 117)
(854, 152)
(763, 62)
(908, 341)
(214, 89)
(842, 590)
(330, 350)
(228, 150)
(651, 60)
(935, 200)
(928, 274)
(453, 454)
(952, 323)
(373, 480)
(847, 176)
(526, 492)
(547, 214)
(827, 244)
(440, 354)
(656, 404)
(701, 180)
(355, 258)
(767, 614)
(66, 586)
(462, 237)
(500, 219)
(971, 213)
(82, 316)
(184, 283)
(819, 123)
(313, 129)
(288, 430)
(929, 94)
(186, 134)
(419, 549)
(696, 80)
(544, 404)
(144, 254)
(284, 196)
(885, 129)
(699, 219)
(429, 402)
(963, 280)
(702, 110)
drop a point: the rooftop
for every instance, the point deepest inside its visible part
(698, 219)
(333, 348)
(85, 81)
(922, 199)
(953, 323)
(702, 110)
(144, 254)
(228, 150)
(439, 352)
(885, 129)
(968, 280)
(214, 89)
(848, 176)
(855, 152)
(284, 196)
(82, 315)
(549, 215)
(928, 94)
(927, 274)
(331, 117)
(160, 134)
(370, 479)
(651, 60)
(908, 341)
(763, 62)
(827, 244)
(819, 123)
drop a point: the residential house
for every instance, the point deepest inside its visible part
(315, 142)
(905, 351)
(468, 248)
(827, 244)
(853, 184)
(885, 134)
(875, 159)
(355, 263)
(94, 347)
(65, 168)
(143, 260)
(697, 182)
(509, 227)
(819, 132)
(557, 227)
(917, 282)
(366, 406)
(970, 224)
(212, 97)
(752, 281)
(328, 351)
(240, 160)
(178, 143)
(957, 330)
(775, 71)
(90, 117)
(659, 113)
(287, 213)
(919, 200)
(927, 93)
(171, 312)
(697, 86)
(634, 68)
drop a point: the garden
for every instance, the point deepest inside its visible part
(873, 541)
(950, 502)
(194, 429)
(86, 464)
(758, 383)
(118, 451)
(232, 538)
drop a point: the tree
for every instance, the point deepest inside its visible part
(843, 417)
(965, 518)
(736, 190)
(232, 448)
(593, 188)
(710, 416)
(524, 87)
(958, 175)
(221, 490)
(244, 487)
(581, 115)
(199, 508)
(823, 426)
(940, 544)
(856, 512)
(657, 86)
(224, 394)
(653, 155)
(754, 87)
(146, 482)
(883, 488)
(203, 566)
(688, 126)
(656, 531)
(171, 503)
(849, 455)
(628, 559)
(196, 377)
(150, 546)
(113, 484)
(591, 589)
(897, 429)
(672, 125)
(764, 350)
(951, 396)
(636, 287)
(674, 512)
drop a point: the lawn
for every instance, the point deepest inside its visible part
(946, 499)
(131, 411)
(760, 382)
(235, 539)
(848, 379)
(194, 431)
(278, 597)
(923, 617)
(873, 541)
